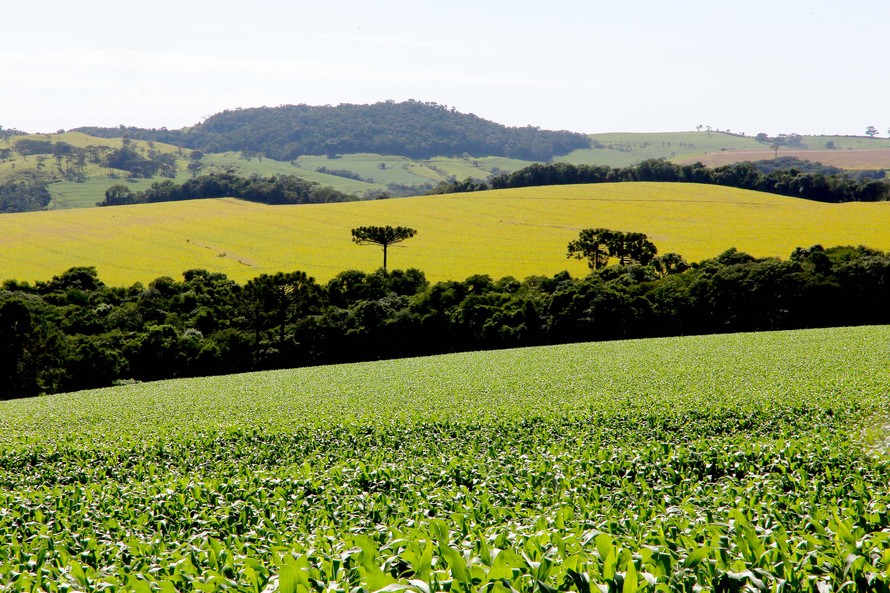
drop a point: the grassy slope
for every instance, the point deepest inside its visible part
(69, 194)
(617, 150)
(399, 170)
(516, 232)
(795, 367)
(624, 149)
(852, 159)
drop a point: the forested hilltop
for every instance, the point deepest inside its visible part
(412, 128)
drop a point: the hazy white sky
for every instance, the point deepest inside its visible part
(804, 66)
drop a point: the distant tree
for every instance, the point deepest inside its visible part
(383, 236)
(598, 245)
(871, 131)
(116, 195)
(271, 302)
(194, 167)
(633, 247)
(24, 192)
(592, 245)
(669, 263)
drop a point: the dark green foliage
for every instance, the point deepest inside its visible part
(815, 185)
(278, 189)
(598, 245)
(272, 305)
(73, 332)
(27, 146)
(412, 128)
(137, 163)
(25, 192)
(342, 173)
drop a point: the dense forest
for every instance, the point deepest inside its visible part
(74, 332)
(792, 182)
(412, 128)
(24, 193)
(277, 189)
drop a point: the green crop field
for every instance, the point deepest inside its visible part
(625, 149)
(851, 159)
(715, 149)
(748, 462)
(517, 232)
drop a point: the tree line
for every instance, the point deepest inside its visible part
(24, 192)
(277, 189)
(74, 332)
(793, 182)
(414, 129)
(131, 158)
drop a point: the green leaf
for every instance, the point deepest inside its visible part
(287, 579)
(630, 579)
(499, 568)
(696, 557)
(610, 565)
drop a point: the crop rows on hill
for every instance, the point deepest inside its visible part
(515, 232)
(720, 463)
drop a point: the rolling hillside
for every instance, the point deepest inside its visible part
(717, 148)
(661, 458)
(517, 232)
(372, 174)
(357, 174)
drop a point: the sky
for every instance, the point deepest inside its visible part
(778, 66)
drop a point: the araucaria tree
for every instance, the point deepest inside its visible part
(598, 245)
(381, 235)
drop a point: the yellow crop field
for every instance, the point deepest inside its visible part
(516, 232)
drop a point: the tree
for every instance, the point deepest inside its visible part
(383, 236)
(116, 195)
(194, 167)
(634, 247)
(592, 245)
(871, 131)
(598, 245)
(272, 302)
(669, 263)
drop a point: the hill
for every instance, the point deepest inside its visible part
(72, 166)
(850, 159)
(611, 466)
(721, 148)
(413, 129)
(368, 175)
(516, 232)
